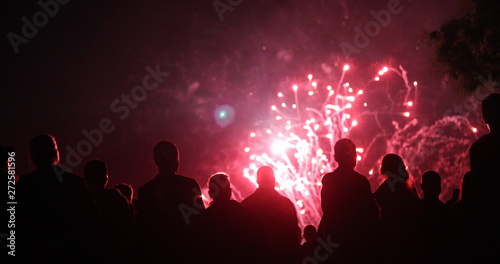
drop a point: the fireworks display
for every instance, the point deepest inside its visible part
(310, 116)
(266, 86)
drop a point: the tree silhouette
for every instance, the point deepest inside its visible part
(466, 50)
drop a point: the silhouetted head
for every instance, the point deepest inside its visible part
(491, 111)
(126, 190)
(345, 153)
(96, 173)
(431, 184)
(265, 178)
(166, 157)
(43, 150)
(394, 167)
(309, 233)
(219, 187)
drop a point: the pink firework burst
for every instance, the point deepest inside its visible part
(311, 116)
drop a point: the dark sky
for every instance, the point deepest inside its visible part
(65, 78)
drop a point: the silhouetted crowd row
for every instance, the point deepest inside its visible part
(64, 218)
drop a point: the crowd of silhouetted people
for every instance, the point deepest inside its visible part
(66, 218)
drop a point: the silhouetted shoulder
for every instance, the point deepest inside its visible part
(188, 181)
(145, 187)
(51, 175)
(229, 233)
(174, 179)
(484, 153)
(341, 178)
(327, 177)
(270, 201)
(382, 191)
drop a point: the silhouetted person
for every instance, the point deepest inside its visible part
(485, 166)
(57, 219)
(228, 232)
(350, 214)
(436, 220)
(485, 153)
(166, 205)
(400, 238)
(310, 244)
(465, 244)
(277, 215)
(117, 217)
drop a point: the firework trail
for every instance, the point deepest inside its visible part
(311, 116)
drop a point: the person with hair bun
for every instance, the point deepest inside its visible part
(400, 238)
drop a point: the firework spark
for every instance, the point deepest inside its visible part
(311, 116)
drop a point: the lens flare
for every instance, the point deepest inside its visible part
(224, 115)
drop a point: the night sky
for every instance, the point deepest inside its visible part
(89, 54)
